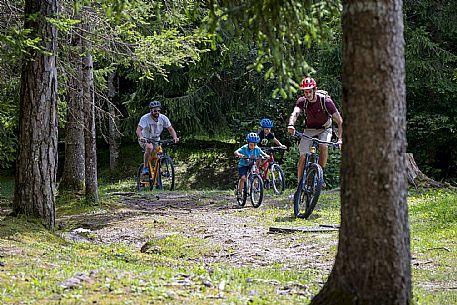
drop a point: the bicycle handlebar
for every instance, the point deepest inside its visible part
(271, 149)
(298, 135)
(254, 159)
(160, 142)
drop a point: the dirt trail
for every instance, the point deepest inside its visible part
(242, 239)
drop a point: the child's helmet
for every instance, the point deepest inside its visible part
(252, 137)
(308, 83)
(266, 123)
(155, 104)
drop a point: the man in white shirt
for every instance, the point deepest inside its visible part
(150, 127)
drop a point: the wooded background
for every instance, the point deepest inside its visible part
(219, 87)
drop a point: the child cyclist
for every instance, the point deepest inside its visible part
(251, 151)
(266, 135)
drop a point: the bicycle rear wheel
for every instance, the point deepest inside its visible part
(166, 180)
(256, 190)
(244, 194)
(143, 182)
(305, 199)
(277, 178)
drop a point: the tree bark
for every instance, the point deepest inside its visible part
(74, 170)
(36, 165)
(416, 177)
(114, 135)
(372, 265)
(89, 131)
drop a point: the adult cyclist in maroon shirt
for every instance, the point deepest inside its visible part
(319, 111)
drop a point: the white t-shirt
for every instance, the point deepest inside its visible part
(152, 129)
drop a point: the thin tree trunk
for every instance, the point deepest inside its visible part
(372, 265)
(113, 130)
(36, 164)
(89, 131)
(74, 170)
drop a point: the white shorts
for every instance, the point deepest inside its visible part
(322, 134)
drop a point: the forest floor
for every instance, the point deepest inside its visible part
(200, 247)
(239, 236)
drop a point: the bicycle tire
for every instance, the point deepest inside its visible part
(256, 190)
(277, 179)
(244, 194)
(166, 172)
(143, 182)
(307, 194)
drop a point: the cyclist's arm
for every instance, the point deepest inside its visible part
(238, 152)
(172, 132)
(279, 143)
(339, 121)
(139, 132)
(293, 119)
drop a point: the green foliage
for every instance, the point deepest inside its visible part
(8, 121)
(430, 70)
(283, 31)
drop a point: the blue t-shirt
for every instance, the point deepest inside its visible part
(245, 151)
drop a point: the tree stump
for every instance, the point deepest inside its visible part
(416, 177)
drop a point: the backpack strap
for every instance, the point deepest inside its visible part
(322, 98)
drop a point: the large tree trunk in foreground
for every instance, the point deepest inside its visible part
(372, 265)
(36, 164)
(74, 170)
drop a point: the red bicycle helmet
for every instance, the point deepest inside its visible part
(308, 83)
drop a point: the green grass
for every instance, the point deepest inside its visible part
(36, 264)
(433, 222)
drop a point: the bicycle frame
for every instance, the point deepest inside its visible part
(154, 170)
(155, 164)
(312, 179)
(253, 178)
(265, 167)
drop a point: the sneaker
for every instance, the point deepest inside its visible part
(145, 170)
(238, 195)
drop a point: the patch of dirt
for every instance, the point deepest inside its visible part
(241, 239)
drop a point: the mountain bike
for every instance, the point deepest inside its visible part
(161, 169)
(253, 186)
(310, 185)
(271, 173)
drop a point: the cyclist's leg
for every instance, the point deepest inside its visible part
(242, 172)
(324, 135)
(303, 148)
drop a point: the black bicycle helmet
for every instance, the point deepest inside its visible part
(155, 104)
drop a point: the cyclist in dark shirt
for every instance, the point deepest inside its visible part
(266, 136)
(319, 111)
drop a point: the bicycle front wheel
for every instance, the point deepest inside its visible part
(277, 178)
(166, 179)
(256, 190)
(143, 181)
(308, 191)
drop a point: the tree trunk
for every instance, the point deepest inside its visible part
(89, 131)
(372, 265)
(36, 164)
(113, 130)
(74, 171)
(416, 177)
